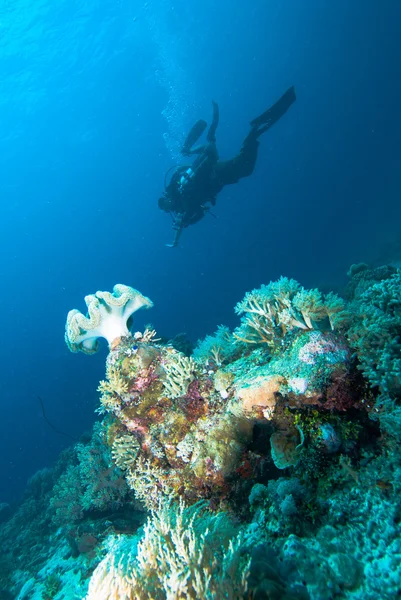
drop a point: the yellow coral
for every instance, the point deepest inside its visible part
(110, 402)
(179, 371)
(124, 451)
(148, 482)
(112, 388)
(217, 445)
(116, 379)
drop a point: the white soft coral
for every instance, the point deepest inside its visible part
(108, 315)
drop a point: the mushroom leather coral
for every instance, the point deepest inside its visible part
(108, 314)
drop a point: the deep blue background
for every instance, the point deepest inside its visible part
(95, 98)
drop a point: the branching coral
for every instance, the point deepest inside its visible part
(269, 312)
(179, 371)
(184, 553)
(125, 450)
(261, 309)
(219, 348)
(108, 314)
(149, 482)
(115, 387)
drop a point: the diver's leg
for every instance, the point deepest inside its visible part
(275, 112)
(242, 165)
(211, 134)
(246, 160)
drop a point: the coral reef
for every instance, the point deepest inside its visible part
(268, 460)
(50, 541)
(186, 426)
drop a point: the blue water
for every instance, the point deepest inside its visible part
(95, 99)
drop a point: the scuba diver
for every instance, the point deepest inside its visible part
(194, 188)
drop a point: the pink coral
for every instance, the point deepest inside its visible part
(137, 425)
(320, 344)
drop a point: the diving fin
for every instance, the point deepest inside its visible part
(275, 112)
(211, 134)
(193, 136)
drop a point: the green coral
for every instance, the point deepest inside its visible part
(66, 502)
(220, 347)
(51, 586)
(376, 336)
(102, 482)
(90, 481)
(271, 311)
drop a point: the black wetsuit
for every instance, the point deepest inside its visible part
(194, 188)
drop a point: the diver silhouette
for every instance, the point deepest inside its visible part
(193, 189)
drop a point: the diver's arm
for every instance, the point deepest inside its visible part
(176, 238)
(178, 227)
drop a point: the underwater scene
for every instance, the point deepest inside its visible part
(200, 300)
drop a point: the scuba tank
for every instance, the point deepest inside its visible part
(184, 174)
(185, 178)
(190, 172)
